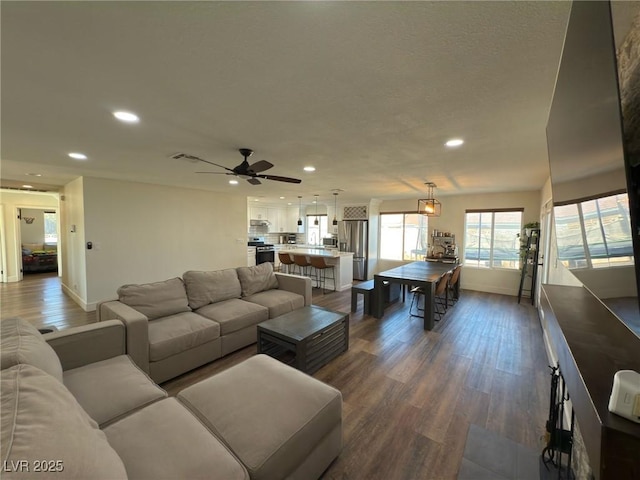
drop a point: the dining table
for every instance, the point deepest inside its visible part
(417, 274)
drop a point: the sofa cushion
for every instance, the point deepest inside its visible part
(22, 343)
(156, 300)
(278, 302)
(271, 433)
(165, 441)
(111, 388)
(177, 333)
(234, 314)
(204, 288)
(257, 279)
(42, 421)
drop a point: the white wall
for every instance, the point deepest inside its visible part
(10, 201)
(32, 232)
(147, 233)
(74, 274)
(452, 220)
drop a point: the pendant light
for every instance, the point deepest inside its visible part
(299, 211)
(429, 206)
(335, 208)
(316, 222)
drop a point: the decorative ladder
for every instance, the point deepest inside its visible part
(530, 265)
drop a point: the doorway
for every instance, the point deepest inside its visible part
(38, 235)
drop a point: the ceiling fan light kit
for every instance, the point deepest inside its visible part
(429, 206)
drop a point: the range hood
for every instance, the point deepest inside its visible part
(259, 223)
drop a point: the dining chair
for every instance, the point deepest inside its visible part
(452, 296)
(439, 298)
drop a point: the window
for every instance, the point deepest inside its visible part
(315, 233)
(603, 225)
(403, 236)
(491, 239)
(50, 228)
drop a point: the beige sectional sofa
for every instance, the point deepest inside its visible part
(182, 323)
(74, 406)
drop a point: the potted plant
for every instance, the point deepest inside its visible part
(528, 229)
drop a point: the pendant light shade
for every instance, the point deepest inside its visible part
(299, 211)
(335, 208)
(429, 206)
(316, 222)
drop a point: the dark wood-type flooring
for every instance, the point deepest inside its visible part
(409, 395)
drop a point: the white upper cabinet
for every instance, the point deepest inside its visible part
(280, 218)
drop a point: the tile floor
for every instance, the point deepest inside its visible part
(487, 455)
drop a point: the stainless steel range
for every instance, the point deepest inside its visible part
(265, 252)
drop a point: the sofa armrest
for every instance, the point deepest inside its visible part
(137, 326)
(78, 346)
(296, 284)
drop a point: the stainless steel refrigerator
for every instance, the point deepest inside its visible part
(353, 237)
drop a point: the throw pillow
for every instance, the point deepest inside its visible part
(22, 343)
(44, 427)
(257, 279)
(156, 300)
(204, 288)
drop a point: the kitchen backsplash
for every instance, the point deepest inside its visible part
(275, 238)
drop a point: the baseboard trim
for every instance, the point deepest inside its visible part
(87, 307)
(490, 289)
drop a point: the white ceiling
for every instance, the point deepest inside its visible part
(367, 92)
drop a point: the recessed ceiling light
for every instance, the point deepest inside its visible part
(233, 182)
(34, 174)
(309, 169)
(289, 203)
(256, 200)
(78, 156)
(127, 117)
(281, 198)
(454, 142)
(27, 186)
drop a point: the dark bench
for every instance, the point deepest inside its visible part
(366, 289)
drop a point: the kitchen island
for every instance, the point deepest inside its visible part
(341, 261)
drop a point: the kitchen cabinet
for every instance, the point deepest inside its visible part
(280, 218)
(251, 256)
(258, 213)
(293, 214)
(277, 219)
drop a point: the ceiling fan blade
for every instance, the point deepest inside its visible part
(260, 166)
(280, 179)
(193, 157)
(218, 173)
(254, 181)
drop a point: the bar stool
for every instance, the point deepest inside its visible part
(286, 261)
(321, 267)
(303, 264)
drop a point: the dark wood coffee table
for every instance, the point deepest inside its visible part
(307, 338)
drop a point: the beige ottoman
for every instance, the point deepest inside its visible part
(280, 422)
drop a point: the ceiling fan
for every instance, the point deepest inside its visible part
(252, 173)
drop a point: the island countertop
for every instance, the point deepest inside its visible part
(316, 252)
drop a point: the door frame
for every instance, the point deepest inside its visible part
(3, 247)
